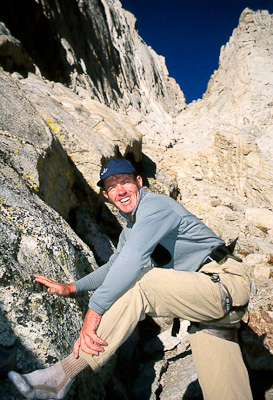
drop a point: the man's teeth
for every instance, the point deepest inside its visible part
(125, 199)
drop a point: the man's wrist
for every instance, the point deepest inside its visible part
(71, 288)
(93, 313)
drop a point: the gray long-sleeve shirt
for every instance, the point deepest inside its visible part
(156, 219)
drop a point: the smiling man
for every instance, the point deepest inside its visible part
(122, 190)
(169, 264)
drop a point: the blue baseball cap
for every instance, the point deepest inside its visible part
(114, 167)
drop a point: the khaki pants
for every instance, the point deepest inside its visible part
(194, 297)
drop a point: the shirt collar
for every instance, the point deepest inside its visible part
(142, 193)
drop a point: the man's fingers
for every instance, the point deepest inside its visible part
(76, 348)
(44, 280)
(98, 340)
(52, 290)
(91, 344)
(89, 350)
(38, 275)
(53, 287)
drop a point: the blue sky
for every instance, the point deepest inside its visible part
(189, 34)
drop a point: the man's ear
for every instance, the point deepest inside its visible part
(139, 181)
(105, 194)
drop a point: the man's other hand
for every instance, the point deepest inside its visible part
(88, 340)
(63, 289)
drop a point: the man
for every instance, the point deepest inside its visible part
(168, 264)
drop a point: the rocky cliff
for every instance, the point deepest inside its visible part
(79, 86)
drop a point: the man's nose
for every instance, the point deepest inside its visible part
(120, 188)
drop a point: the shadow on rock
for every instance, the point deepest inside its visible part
(259, 362)
(13, 356)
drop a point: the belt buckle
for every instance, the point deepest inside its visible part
(207, 260)
(214, 277)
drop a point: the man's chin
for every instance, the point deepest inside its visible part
(126, 210)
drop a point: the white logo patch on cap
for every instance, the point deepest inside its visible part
(104, 171)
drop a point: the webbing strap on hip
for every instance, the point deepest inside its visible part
(229, 334)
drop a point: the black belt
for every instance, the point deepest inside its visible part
(221, 253)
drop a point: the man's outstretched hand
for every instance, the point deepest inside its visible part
(88, 340)
(63, 289)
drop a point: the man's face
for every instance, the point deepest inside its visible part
(122, 190)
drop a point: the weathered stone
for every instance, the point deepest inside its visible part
(89, 132)
(35, 238)
(261, 218)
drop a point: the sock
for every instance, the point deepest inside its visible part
(49, 383)
(73, 366)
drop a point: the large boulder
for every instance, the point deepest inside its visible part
(37, 329)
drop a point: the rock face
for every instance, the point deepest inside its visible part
(36, 238)
(78, 86)
(222, 160)
(108, 61)
(232, 122)
(223, 153)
